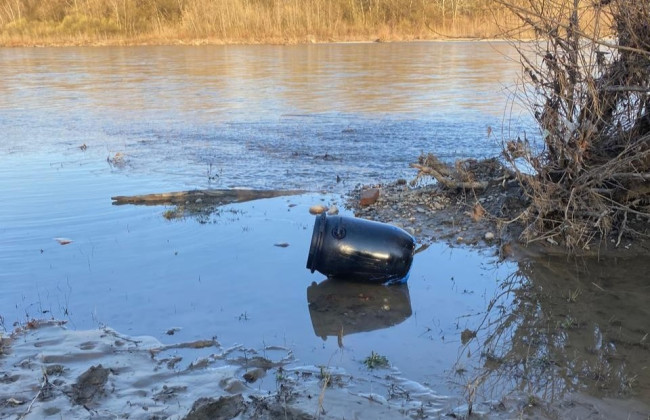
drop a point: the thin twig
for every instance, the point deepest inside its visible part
(38, 394)
(621, 229)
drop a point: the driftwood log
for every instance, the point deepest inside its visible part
(468, 174)
(203, 197)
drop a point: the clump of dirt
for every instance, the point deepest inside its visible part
(230, 407)
(90, 385)
(225, 407)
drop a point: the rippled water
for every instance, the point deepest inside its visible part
(244, 116)
(298, 115)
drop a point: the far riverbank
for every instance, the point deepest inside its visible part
(161, 22)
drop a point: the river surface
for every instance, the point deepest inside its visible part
(80, 125)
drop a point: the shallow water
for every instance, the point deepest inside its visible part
(268, 117)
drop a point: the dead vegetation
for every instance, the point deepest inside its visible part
(468, 174)
(587, 83)
(588, 91)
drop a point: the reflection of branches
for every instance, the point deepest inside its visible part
(493, 326)
(549, 331)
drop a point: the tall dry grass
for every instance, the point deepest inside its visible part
(245, 21)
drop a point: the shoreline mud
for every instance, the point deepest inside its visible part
(481, 219)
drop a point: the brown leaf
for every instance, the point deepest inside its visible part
(478, 212)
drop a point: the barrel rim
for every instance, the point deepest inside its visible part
(316, 241)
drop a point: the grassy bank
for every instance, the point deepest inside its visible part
(98, 22)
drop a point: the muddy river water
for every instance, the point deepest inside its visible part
(80, 125)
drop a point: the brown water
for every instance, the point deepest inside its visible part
(289, 117)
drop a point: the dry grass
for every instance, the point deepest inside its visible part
(24, 22)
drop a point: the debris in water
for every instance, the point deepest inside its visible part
(467, 335)
(172, 331)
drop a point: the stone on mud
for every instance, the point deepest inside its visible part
(368, 197)
(317, 209)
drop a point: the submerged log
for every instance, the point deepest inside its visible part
(204, 197)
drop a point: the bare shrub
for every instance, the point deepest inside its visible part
(588, 86)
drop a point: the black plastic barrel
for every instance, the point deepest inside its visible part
(359, 249)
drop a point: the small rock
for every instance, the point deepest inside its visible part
(317, 209)
(489, 236)
(333, 210)
(369, 196)
(410, 230)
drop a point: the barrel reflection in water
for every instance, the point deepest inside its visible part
(339, 307)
